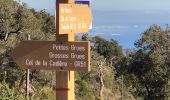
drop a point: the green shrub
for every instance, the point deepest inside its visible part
(6, 93)
(44, 93)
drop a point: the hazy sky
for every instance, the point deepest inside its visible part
(121, 25)
(143, 5)
(132, 4)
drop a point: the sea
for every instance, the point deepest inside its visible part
(126, 27)
(123, 26)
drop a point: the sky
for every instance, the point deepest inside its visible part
(122, 20)
(132, 5)
(125, 5)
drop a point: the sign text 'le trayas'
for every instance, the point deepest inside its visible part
(74, 18)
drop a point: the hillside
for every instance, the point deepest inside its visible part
(16, 23)
(116, 74)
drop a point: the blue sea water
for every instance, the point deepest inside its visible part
(125, 26)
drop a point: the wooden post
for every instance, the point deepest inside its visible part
(28, 77)
(64, 79)
(27, 84)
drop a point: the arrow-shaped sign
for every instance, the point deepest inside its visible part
(74, 18)
(51, 55)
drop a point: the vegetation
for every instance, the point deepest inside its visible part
(143, 74)
(16, 23)
(147, 69)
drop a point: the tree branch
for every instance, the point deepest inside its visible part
(9, 33)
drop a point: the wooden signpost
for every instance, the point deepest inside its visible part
(63, 55)
(50, 55)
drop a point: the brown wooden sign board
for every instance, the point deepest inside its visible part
(51, 55)
(74, 18)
